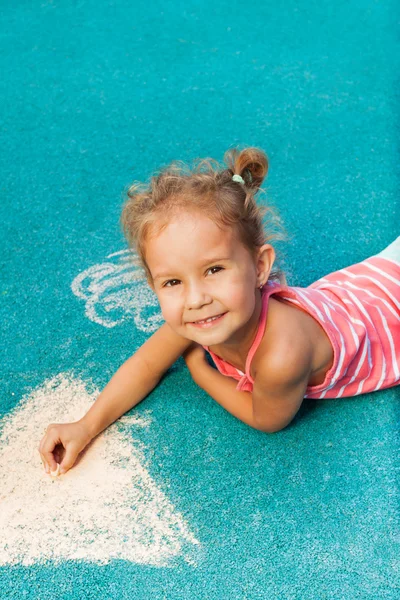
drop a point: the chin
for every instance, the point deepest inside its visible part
(211, 340)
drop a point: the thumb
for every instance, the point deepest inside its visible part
(68, 460)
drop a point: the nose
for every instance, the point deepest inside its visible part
(196, 296)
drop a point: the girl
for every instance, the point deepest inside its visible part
(199, 236)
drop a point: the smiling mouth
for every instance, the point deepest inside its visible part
(209, 320)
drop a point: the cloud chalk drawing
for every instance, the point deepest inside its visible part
(116, 290)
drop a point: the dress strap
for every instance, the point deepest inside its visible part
(266, 291)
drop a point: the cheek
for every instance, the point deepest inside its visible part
(241, 288)
(237, 298)
(243, 302)
(169, 309)
(241, 295)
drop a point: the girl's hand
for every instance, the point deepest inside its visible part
(194, 356)
(72, 437)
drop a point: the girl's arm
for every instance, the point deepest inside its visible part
(278, 391)
(281, 381)
(223, 390)
(135, 379)
(218, 386)
(273, 404)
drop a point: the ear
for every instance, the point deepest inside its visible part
(264, 262)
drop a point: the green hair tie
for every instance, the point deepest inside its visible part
(238, 178)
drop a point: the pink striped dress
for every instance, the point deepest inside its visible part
(359, 309)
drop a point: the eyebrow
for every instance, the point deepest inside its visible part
(207, 262)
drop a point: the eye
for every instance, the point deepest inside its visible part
(171, 281)
(216, 267)
(167, 282)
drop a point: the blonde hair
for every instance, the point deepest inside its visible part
(209, 188)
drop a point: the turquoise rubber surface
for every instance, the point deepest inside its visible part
(96, 95)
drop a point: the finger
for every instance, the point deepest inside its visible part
(43, 441)
(42, 458)
(68, 460)
(48, 444)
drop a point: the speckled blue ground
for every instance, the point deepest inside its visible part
(94, 95)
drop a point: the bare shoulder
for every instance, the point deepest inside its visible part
(287, 349)
(282, 371)
(162, 349)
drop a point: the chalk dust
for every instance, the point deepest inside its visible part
(106, 507)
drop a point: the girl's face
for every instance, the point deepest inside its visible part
(200, 271)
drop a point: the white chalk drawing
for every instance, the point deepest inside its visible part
(116, 290)
(106, 507)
